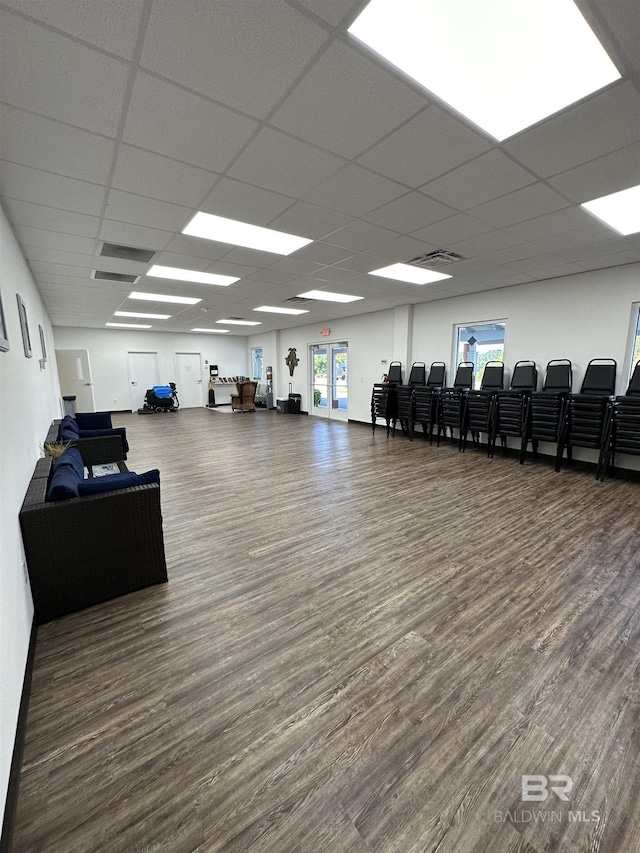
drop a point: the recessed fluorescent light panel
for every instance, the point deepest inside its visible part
(272, 309)
(191, 275)
(233, 322)
(162, 297)
(412, 275)
(236, 233)
(127, 326)
(620, 211)
(142, 316)
(504, 64)
(212, 331)
(327, 296)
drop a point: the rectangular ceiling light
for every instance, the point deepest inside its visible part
(233, 322)
(142, 316)
(211, 227)
(620, 211)
(191, 275)
(503, 64)
(213, 331)
(413, 275)
(327, 296)
(274, 310)
(161, 297)
(127, 326)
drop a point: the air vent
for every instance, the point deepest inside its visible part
(127, 253)
(244, 319)
(299, 299)
(439, 258)
(105, 275)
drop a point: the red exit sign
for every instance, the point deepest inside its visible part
(325, 332)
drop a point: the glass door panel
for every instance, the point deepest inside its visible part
(329, 381)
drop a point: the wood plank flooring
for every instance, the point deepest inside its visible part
(363, 646)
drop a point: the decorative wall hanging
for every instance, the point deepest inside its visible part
(292, 360)
(24, 326)
(4, 336)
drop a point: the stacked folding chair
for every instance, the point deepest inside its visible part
(426, 398)
(544, 413)
(384, 397)
(452, 403)
(622, 430)
(587, 411)
(405, 400)
(481, 406)
(511, 404)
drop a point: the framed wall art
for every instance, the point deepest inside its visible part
(43, 347)
(4, 335)
(24, 326)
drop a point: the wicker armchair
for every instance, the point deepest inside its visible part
(244, 400)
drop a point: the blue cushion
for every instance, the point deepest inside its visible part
(68, 425)
(94, 420)
(66, 433)
(111, 482)
(97, 433)
(67, 476)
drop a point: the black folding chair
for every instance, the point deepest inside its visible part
(426, 399)
(418, 373)
(510, 405)
(622, 427)
(405, 410)
(586, 412)
(451, 408)
(394, 374)
(383, 404)
(480, 406)
(544, 412)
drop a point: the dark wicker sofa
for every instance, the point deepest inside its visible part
(90, 549)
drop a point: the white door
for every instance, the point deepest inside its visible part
(329, 380)
(74, 372)
(144, 373)
(188, 379)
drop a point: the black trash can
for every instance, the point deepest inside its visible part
(295, 401)
(69, 406)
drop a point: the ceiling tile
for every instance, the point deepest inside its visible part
(603, 176)
(60, 78)
(159, 177)
(295, 266)
(488, 177)
(527, 203)
(347, 118)
(31, 237)
(197, 247)
(129, 234)
(44, 144)
(309, 220)
(166, 119)
(278, 162)
(128, 207)
(248, 203)
(590, 129)
(269, 277)
(332, 11)
(452, 230)
(425, 147)
(484, 243)
(329, 274)
(240, 53)
(401, 249)
(568, 219)
(88, 21)
(354, 191)
(323, 253)
(360, 235)
(56, 192)
(409, 212)
(38, 254)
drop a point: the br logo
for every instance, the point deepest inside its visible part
(536, 788)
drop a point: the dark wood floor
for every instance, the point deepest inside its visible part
(364, 644)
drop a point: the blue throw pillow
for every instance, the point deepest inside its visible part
(97, 433)
(66, 433)
(68, 426)
(111, 482)
(94, 420)
(66, 476)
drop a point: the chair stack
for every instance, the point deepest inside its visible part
(451, 403)
(481, 406)
(405, 400)
(622, 430)
(586, 412)
(426, 398)
(384, 397)
(544, 413)
(511, 404)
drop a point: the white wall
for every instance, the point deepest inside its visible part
(108, 355)
(30, 401)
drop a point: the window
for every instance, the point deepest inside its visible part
(636, 349)
(479, 343)
(256, 363)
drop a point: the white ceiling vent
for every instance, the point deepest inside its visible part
(127, 253)
(105, 275)
(300, 299)
(439, 258)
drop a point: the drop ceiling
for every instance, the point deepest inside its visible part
(119, 122)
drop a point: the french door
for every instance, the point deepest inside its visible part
(329, 380)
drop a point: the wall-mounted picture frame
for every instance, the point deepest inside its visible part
(43, 347)
(24, 326)
(4, 335)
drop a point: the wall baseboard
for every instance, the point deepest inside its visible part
(11, 803)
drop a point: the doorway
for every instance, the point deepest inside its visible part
(74, 373)
(188, 379)
(329, 380)
(144, 373)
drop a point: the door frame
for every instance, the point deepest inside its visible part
(200, 382)
(336, 414)
(134, 408)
